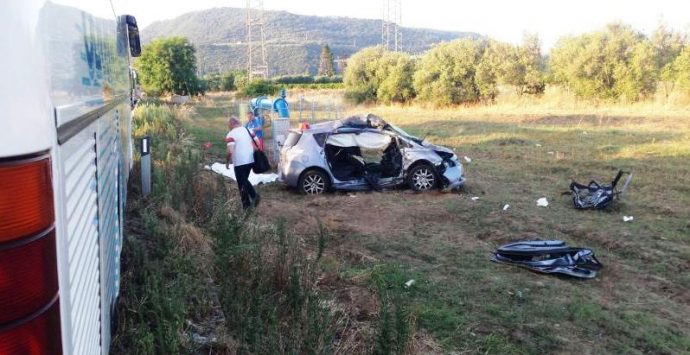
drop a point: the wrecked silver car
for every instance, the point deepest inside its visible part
(362, 153)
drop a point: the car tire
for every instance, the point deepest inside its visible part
(313, 182)
(422, 177)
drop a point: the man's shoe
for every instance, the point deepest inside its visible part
(257, 199)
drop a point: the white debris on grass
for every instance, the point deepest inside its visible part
(254, 179)
(549, 152)
(627, 218)
(409, 283)
(538, 145)
(506, 207)
(467, 159)
(542, 202)
(475, 198)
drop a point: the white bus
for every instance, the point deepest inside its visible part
(66, 96)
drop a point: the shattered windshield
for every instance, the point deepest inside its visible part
(403, 134)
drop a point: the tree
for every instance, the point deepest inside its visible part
(617, 62)
(360, 78)
(681, 66)
(394, 75)
(529, 55)
(446, 73)
(491, 69)
(374, 74)
(486, 79)
(667, 45)
(521, 67)
(326, 62)
(168, 65)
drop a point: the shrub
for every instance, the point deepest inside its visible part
(260, 87)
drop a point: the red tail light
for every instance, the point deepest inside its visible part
(29, 307)
(26, 198)
(39, 335)
(28, 279)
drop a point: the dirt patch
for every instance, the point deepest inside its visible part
(391, 216)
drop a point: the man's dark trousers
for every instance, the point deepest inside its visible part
(246, 188)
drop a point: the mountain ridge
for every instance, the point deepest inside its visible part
(219, 35)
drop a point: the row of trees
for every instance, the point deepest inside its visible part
(168, 65)
(614, 63)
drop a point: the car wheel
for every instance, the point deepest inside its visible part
(422, 177)
(313, 182)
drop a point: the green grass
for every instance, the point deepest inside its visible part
(646, 260)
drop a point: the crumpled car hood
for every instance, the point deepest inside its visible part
(439, 148)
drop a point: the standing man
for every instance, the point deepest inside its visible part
(241, 150)
(256, 124)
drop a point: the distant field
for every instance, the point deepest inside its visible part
(460, 301)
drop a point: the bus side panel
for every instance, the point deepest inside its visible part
(108, 161)
(87, 62)
(78, 244)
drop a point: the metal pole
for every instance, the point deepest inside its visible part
(145, 150)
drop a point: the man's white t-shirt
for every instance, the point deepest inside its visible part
(243, 152)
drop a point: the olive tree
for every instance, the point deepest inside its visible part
(360, 78)
(617, 62)
(395, 72)
(446, 73)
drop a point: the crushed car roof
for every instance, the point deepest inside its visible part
(361, 122)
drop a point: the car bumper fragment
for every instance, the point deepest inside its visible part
(453, 178)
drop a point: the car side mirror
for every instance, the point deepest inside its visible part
(133, 35)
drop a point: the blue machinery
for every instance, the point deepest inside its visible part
(279, 126)
(278, 105)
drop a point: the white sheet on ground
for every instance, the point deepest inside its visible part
(255, 179)
(367, 140)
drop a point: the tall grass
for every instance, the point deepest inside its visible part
(161, 287)
(268, 285)
(395, 322)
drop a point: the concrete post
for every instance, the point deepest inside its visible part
(145, 151)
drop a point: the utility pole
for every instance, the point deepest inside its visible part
(257, 63)
(391, 34)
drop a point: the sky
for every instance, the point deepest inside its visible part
(504, 20)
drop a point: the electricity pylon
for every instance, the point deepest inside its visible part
(391, 34)
(257, 63)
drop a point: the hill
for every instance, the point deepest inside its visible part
(293, 41)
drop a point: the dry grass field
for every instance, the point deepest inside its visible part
(461, 302)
